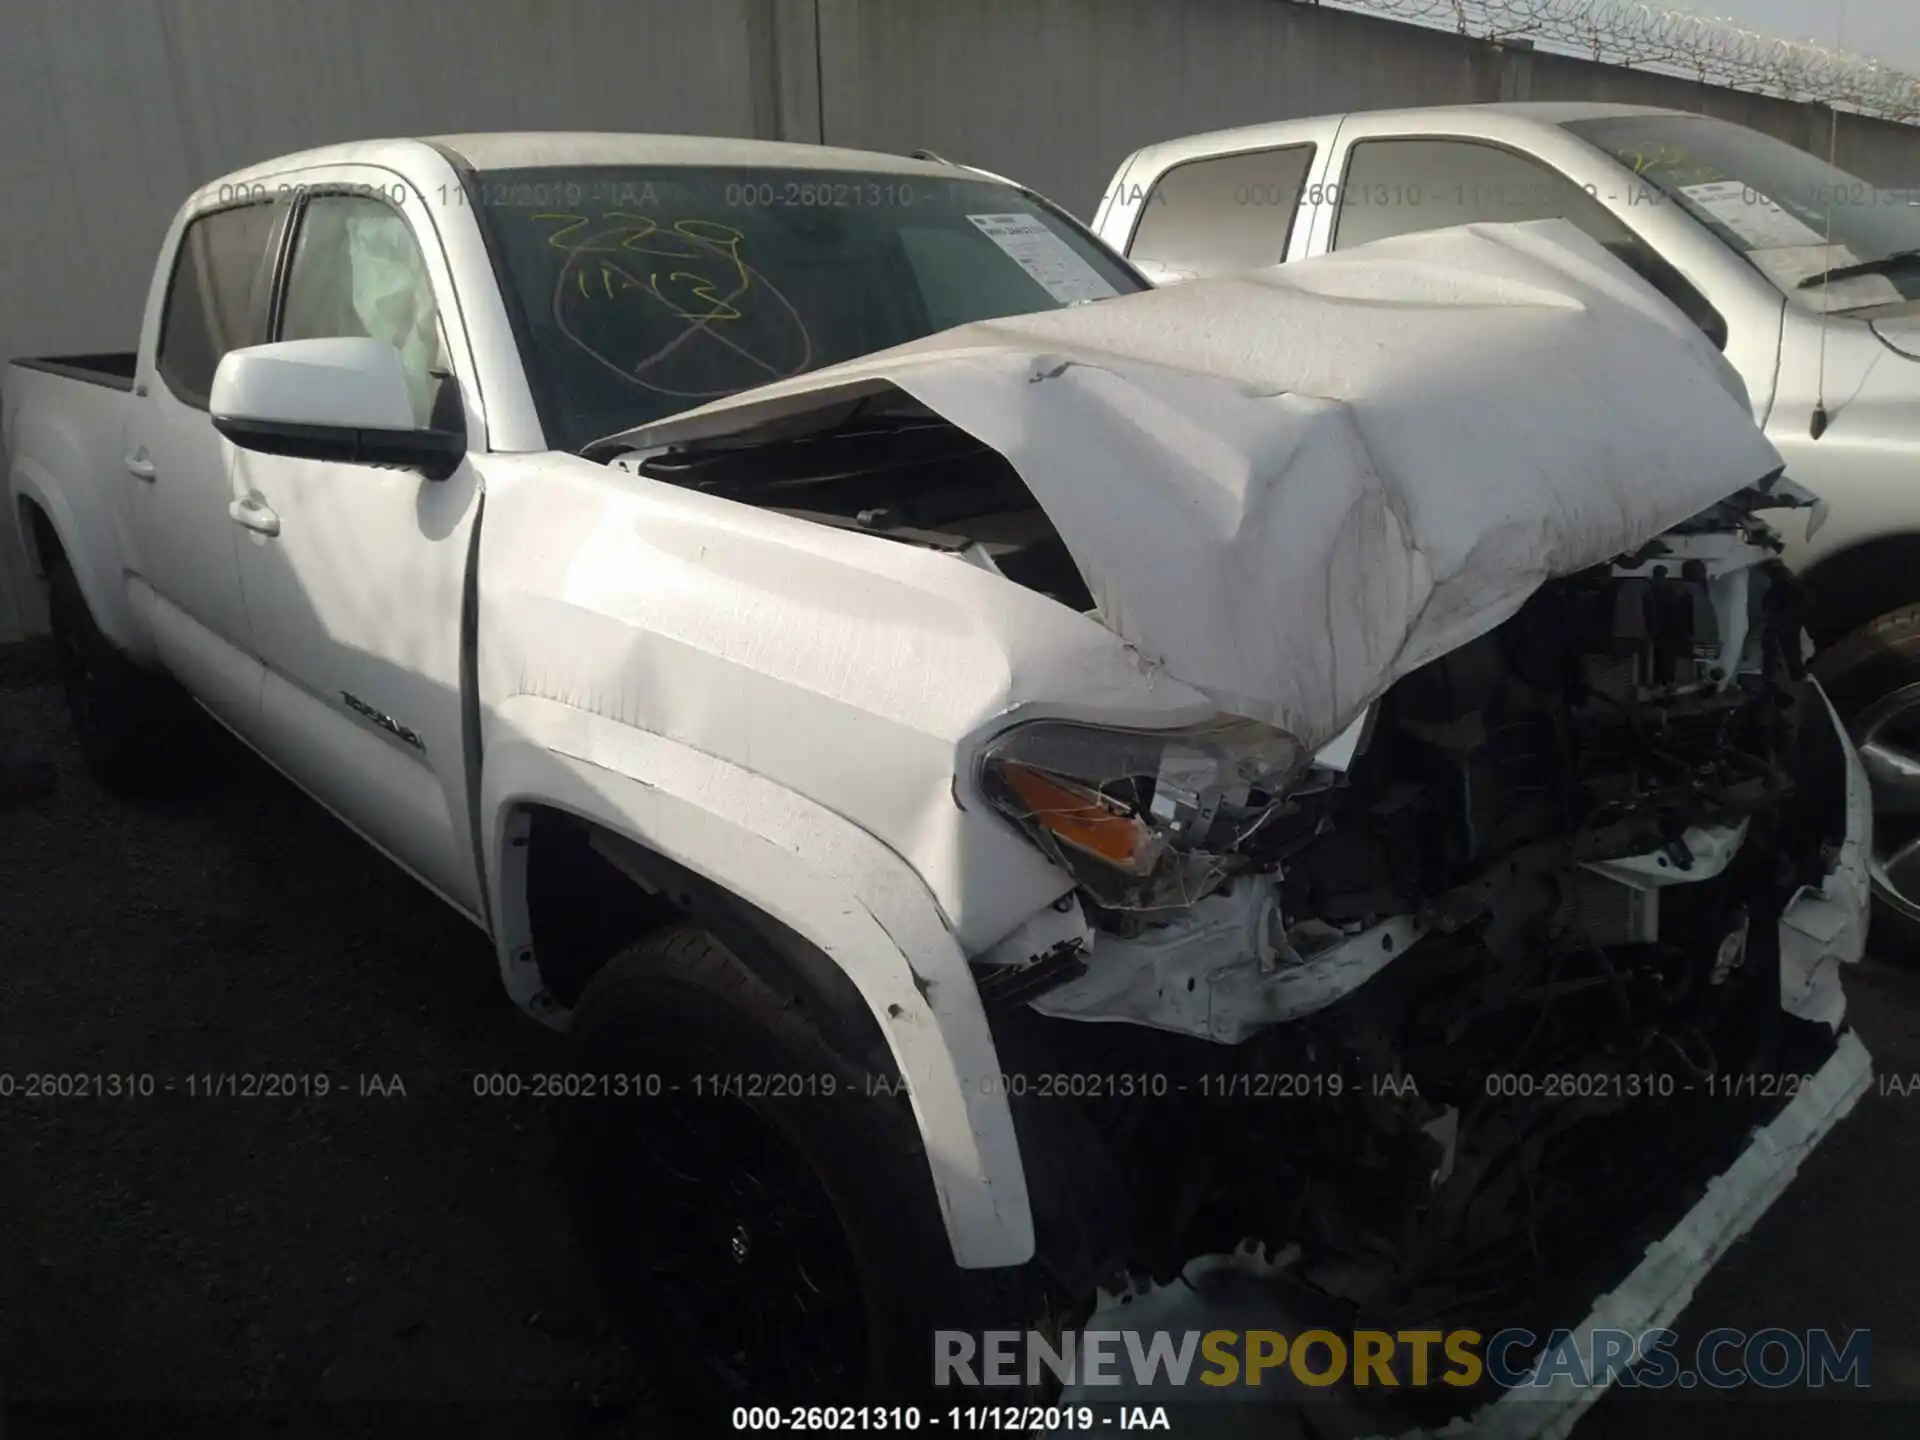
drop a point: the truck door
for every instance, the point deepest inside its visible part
(180, 471)
(355, 575)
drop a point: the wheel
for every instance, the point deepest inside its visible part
(1873, 678)
(760, 1203)
(130, 724)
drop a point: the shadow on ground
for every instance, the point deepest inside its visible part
(395, 1238)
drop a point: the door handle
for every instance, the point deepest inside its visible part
(254, 514)
(138, 464)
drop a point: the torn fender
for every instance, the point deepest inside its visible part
(1291, 487)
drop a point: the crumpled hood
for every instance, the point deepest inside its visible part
(1290, 488)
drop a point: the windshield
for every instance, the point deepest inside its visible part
(1771, 202)
(644, 291)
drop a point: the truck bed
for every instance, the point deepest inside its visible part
(64, 418)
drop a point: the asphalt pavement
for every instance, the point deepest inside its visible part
(293, 1207)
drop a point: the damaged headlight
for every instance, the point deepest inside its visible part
(1140, 817)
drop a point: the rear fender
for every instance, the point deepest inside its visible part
(83, 528)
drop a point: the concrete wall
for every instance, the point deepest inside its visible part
(114, 109)
(1057, 92)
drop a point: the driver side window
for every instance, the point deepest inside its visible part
(358, 272)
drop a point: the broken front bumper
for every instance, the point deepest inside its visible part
(1213, 972)
(1662, 1284)
(1823, 929)
(1820, 931)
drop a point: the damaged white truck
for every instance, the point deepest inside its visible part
(1320, 760)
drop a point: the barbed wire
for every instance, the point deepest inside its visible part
(1644, 36)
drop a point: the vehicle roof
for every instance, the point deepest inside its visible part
(1501, 113)
(508, 150)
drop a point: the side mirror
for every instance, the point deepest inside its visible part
(340, 399)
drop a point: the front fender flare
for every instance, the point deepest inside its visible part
(815, 872)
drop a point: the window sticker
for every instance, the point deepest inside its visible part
(1031, 245)
(1751, 215)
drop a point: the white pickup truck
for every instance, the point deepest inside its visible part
(1806, 276)
(1110, 775)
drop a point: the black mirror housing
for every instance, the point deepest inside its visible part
(436, 454)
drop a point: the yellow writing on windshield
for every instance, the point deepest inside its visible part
(1679, 167)
(697, 295)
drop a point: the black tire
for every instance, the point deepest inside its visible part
(1873, 678)
(134, 734)
(838, 1296)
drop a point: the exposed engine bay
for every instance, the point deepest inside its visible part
(1504, 893)
(1401, 1003)
(1631, 729)
(1465, 1002)
(901, 473)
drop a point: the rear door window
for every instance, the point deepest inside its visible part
(216, 298)
(1222, 214)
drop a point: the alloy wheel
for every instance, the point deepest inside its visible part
(1887, 733)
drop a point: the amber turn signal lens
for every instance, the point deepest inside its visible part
(1082, 818)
